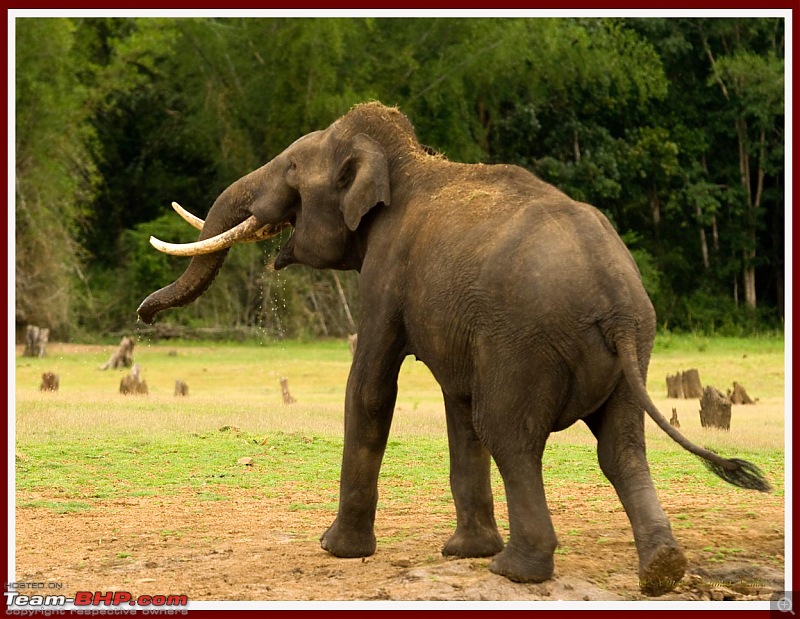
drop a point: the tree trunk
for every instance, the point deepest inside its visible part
(692, 387)
(36, 339)
(703, 240)
(181, 388)
(133, 384)
(123, 356)
(318, 310)
(675, 386)
(655, 209)
(715, 409)
(778, 257)
(749, 278)
(752, 206)
(49, 382)
(739, 395)
(344, 302)
(684, 385)
(715, 236)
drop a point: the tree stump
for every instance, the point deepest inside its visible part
(133, 384)
(352, 343)
(715, 409)
(36, 339)
(674, 419)
(684, 385)
(675, 387)
(739, 395)
(181, 388)
(49, 382)
(123, 356)
(287, 397)
(692, 387)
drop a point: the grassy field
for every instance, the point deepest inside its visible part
(87, 442)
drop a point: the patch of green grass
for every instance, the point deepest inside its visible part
(722, 555)
(59, 507)
(108, 467)
(86, 443)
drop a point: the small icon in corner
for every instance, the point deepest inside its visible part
(783, 602)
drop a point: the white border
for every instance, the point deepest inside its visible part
(14, 14)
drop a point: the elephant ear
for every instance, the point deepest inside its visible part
(363, 177)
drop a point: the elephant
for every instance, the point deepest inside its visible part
(525, 305)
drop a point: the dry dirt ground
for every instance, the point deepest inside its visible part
(248, 547)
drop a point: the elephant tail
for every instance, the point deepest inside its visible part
(738, 472)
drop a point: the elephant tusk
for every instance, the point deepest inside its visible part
(247, 231)
(193, 221)
(196, 222)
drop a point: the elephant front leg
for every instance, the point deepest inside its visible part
(371, 395)
(476, 532)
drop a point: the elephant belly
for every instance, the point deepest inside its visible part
(587, 395)
(521, 372)
(510, 343)
(450, 361)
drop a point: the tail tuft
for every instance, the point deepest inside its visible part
(743, 474)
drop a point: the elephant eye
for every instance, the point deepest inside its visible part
(292, 166)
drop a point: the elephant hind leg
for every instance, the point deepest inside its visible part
(619, 428)
(528, 556)
(476, 532)
(517, 447)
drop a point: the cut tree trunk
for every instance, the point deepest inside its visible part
(36, 339)
(133, 384)
(675, 386)
(715, 409)
(692, 387)
(739, 395)
(49, 382)
(684, 385)
(123, 356)
(181, 388)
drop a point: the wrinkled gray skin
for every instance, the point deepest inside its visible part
(525, 305)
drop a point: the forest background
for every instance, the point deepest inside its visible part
(673, 127)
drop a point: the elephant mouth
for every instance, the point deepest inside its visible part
(286, 255)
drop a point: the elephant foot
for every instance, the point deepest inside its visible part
(474, 543)
(523, 566)
(348, 544)
(663, 569)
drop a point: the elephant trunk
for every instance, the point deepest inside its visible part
(254, 208)
(230, 209)
(195, 281)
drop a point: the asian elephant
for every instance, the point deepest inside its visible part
(525, 305)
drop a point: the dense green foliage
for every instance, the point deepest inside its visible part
(673, 127)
